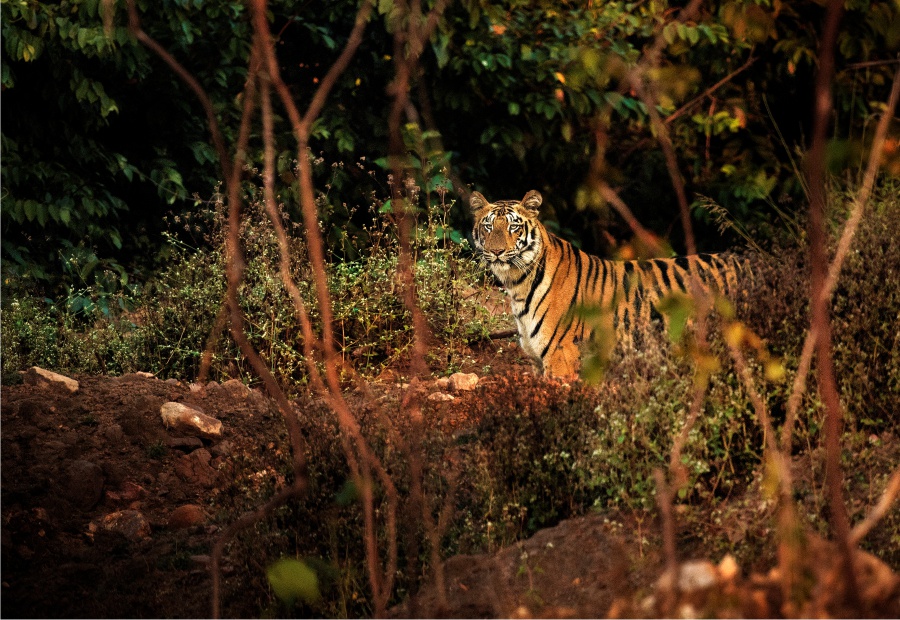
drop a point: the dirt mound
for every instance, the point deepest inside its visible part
(573, 570)
(105, 510)
(110, 512)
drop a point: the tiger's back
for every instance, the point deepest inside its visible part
(547, 279)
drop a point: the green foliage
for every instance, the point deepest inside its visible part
(540, 75)
(544, 452)
(163, 327)
(107, 139)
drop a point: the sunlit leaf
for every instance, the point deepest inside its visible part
(775, 370)
(293, 580)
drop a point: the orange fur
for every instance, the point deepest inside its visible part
(547, 279)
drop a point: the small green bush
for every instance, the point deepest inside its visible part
(165, 326)
(545, 451)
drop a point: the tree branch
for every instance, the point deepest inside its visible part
(820, 320)
(680, 111)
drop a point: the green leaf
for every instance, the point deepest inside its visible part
(292, 579)
(678, 308)
(8, 79)
(30, 208)
(669, 33)
(347, 495)
(693, 35)
(41, 213)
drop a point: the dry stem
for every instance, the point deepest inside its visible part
(820, 320)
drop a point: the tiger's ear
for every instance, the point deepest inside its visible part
(532, 201)
(477, 202)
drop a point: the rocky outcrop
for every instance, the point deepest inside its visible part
(190, 421)
(45, 378)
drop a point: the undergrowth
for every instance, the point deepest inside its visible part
(535, 451)
(164, 326)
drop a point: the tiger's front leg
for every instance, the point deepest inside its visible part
(535, 359)
(564, 362)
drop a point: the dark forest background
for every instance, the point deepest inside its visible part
(101, 142)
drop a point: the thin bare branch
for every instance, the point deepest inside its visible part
(873, 63)
(709, 91)
(232, 174)
(284, 265)
(647, 93)
(134, 25)
(676, 469)
(820, 319)
(633, 80)
(301, 127)
(235, 264)
(647, 237)
(664, 496)
(211, 339)
(788, 544)
(337, 69)
(408, 44)
(881, 509)
(362, 460)
(759, 405)
(245, 521)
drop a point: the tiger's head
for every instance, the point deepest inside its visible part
(507, 233)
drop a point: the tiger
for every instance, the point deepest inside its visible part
(547, 279)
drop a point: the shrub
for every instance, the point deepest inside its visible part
(865, 312)
(167, 329)
(545, 451)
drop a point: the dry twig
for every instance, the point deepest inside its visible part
(820, 319)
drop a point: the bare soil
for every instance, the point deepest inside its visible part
(107, 513)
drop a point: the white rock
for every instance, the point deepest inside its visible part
(697, 575)
(129, 523)
(463, 382)
(45, 378)
(190, 421)
(440, 397)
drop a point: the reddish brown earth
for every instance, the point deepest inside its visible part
(72, 464)
(107, 513)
